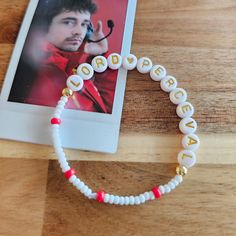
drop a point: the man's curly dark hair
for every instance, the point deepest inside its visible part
(48, 9)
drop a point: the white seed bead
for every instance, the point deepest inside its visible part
(191, 142)
(157, 73)
(57, 115)
(88, 192)
(64, 99)
(187, 158)
(179, 178)
(127, 201)
(167, 188)
(111, 199)
(122, 200)
(136, 200)
(99, 64)
(152, 196)
(188, 126)
(114, 61)
(176, 183)
(85, 71)
(168, 83)
(144, 65)
(171, 185)
(162, 189)
(81, 185)
(60, 107)
(131, 200)
(178, 96)
(116, 200)
(147, 196)
(106, 197)
(61, 103)
(76, 182)
(142, 198)
(130, 62)
(72, 179)
(75, 83)
(84, 189)
(185, 110)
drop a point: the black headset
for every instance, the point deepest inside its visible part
(110, 24)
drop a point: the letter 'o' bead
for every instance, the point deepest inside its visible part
(191, 142)
(114, 61)
(158, 72)
(144, 65)
(178, 96)
(75, 83)
(168, 84)
(99, 64)
(85, 71)
(130, 62)
(187, 158)
(185, 109)
(188, 126)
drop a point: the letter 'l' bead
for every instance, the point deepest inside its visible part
(75, 83)
(187, 158)
(191, 142)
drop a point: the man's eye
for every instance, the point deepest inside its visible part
(68, 23)
(84, 25)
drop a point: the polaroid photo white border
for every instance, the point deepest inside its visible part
(80, 129)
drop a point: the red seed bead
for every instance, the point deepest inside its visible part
(100, 196)
(157, 192)
(69, 173)
(55, 121)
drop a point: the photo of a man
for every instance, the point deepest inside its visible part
(58, 41)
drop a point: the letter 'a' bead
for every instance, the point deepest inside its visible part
(191, 142)
(144, 65)
(130, 62)
(187, 158)
(114, 61)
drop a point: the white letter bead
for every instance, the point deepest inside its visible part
(99, 64)
(114, 61)
(191, 142)
(85, 71)
(130, 62)
(75, 83)
(187, 158)
(168, 83)
(157, 72)
(185, 109)
(144, 65)
(188, 126)
(178, 96)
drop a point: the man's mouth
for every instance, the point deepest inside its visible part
(74, 40)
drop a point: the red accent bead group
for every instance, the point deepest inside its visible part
(55, 121)
(157, 192)
(100, 196)
(69, 173)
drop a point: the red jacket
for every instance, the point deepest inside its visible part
(97, 94)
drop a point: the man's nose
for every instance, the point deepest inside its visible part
(78, 30)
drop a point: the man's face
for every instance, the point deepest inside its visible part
(68, 30)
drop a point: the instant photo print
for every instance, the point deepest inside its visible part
(54, 39)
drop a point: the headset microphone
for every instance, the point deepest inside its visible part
(110, 24)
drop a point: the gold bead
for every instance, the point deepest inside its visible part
(67, 92)
(181, 170)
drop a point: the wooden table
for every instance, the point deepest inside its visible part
(196, 41)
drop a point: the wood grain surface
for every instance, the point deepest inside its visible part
(196, 41)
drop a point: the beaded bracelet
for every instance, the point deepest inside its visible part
(178, 96)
